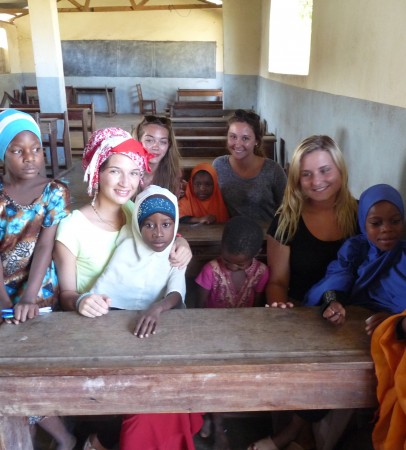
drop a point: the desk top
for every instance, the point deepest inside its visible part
(201, 234)
(94, 89)
(64, 342)
(247, 359)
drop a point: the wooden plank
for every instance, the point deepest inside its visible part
(218, 93)
(258, 359)
(200, 131)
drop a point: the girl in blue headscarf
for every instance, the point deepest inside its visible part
(370, 270)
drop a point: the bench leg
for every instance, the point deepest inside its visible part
(15, 434)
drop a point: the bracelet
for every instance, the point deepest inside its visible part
(328, 298)
(80, 298)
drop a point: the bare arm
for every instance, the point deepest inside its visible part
(27, 308)
(91, 306)
(202, 297)
(278, 257)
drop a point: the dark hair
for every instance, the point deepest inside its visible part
(254, 121)
(242, 236)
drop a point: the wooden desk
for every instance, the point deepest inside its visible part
(188, 163)
(108, 92)
(218, 93)
(259, 359)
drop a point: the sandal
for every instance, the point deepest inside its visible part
(263, 444)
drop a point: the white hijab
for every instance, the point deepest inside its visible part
(136, 276)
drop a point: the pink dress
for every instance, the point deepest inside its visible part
(216, 278)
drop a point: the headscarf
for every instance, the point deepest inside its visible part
(13, 122)
(370, 277)
(190, 205)
(108, 141)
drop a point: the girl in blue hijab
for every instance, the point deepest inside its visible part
(370, 270)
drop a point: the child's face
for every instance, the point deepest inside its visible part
(384, 225)
(119, 179)
(203, 185)
(235, 262)
(24, 158)
(157, 231)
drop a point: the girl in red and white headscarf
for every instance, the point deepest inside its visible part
(114, 164)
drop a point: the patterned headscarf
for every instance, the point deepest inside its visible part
(13, 122)
(156, 204)
(108, 141)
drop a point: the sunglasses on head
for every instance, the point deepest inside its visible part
(157, 120)
(246, 115)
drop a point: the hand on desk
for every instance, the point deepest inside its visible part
(148, 321)
(23, 311)
(94, 305)
(335, 313)
(282, 305)
(372, 322)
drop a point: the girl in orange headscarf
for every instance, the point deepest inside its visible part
(203, 202)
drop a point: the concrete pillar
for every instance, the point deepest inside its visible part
(46, 43)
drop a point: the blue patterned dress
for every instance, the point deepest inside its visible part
(20, 226)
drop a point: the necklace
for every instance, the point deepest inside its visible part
(107, 222)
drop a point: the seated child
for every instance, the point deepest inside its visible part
(234, 280)
(388, 353)
(371, 267)
(139, 275)
(203, 202)
(31, 206)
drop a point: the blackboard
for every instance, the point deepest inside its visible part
(163, 59)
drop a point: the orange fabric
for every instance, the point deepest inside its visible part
(389, 357)
(190, 205)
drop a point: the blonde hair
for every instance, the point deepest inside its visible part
(293, 199)
(168, 173)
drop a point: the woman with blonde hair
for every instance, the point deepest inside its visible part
(317, 214)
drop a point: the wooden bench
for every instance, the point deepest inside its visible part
(200, 131)
(209, 146)
(259, 359)
(199, 111)
(82, 119)
(217, 93)
(202, 122)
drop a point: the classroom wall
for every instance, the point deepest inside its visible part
(355, 90)
(175, 25)
(12, 80)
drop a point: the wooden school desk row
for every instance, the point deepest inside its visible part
(259, 359)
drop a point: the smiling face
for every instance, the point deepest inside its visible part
(320, 179)
(24, 157)
(156, 140)
(384, 225)
(241, 140)
(119, 179)
(203, 185)
(157, 231)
